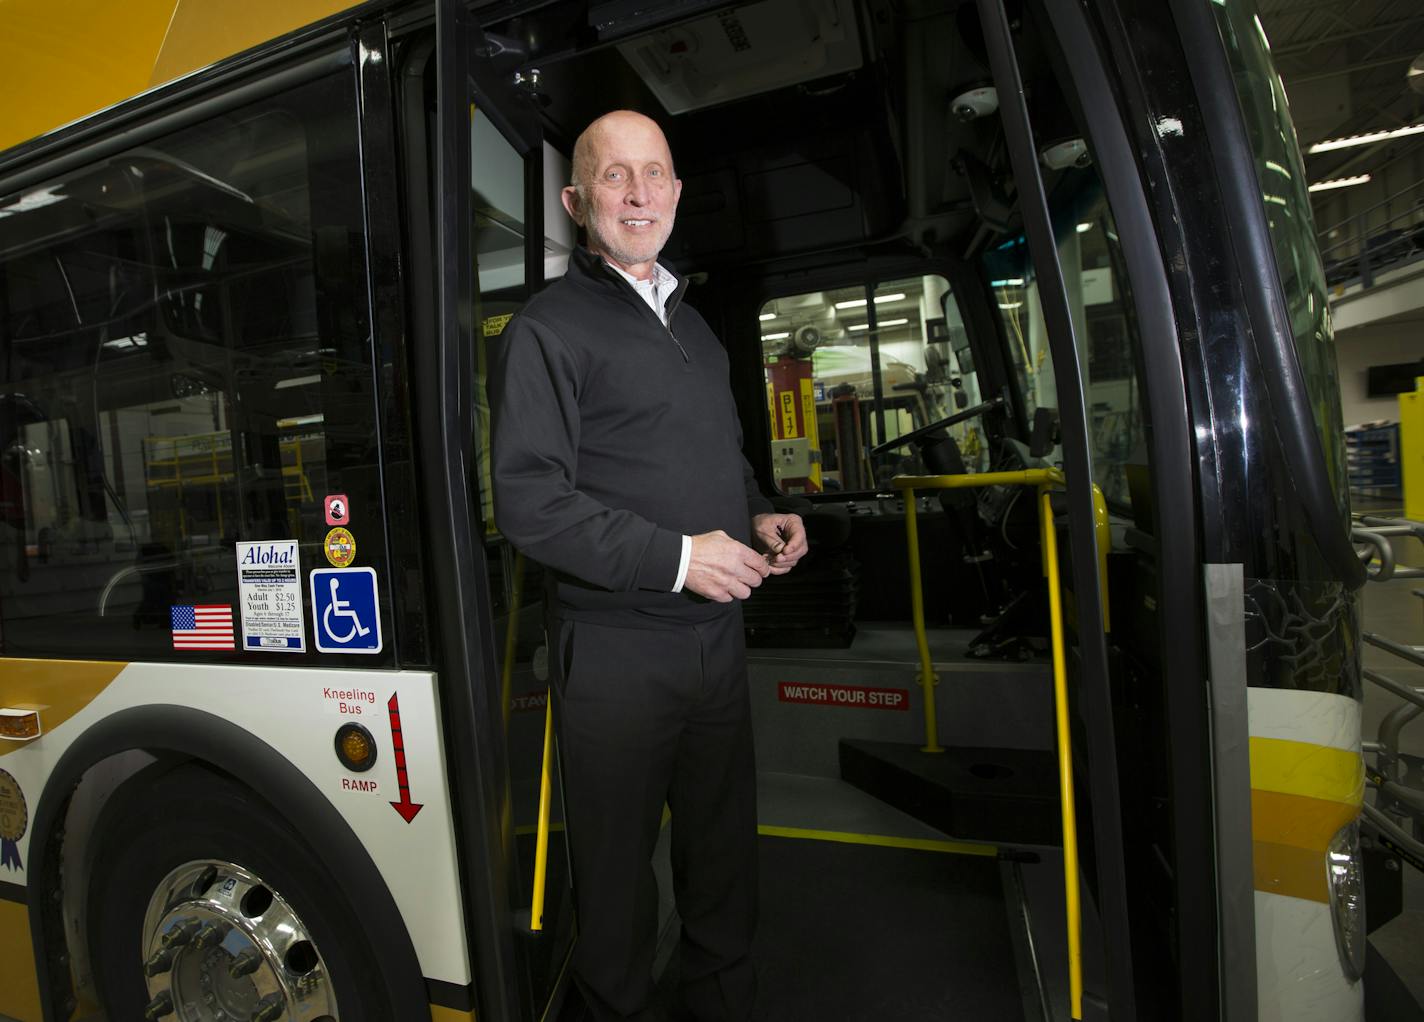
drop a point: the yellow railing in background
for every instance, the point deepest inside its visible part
(1044, 479)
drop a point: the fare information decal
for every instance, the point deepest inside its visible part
(854, 696)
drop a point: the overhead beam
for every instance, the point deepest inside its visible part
(1305, 46)
(1368, 65)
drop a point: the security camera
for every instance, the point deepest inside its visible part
(1072, 152)
(975, 103)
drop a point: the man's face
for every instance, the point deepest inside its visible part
(629, 201)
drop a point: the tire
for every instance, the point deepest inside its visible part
(260, 889)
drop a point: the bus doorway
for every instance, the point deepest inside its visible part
(940, 873)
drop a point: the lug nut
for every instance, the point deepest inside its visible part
(209, 935)
(181, 932)
(159, 1006)
(245, 964)
(160, 961)
(269, 1009)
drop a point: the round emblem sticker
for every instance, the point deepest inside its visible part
(14, 818)
(340, 547)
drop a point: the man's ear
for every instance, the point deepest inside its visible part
(572, 204)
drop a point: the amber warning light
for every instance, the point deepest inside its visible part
(19, 725)
(355, 747)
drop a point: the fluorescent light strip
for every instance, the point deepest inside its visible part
(1084, 228)
(881, 325)
(297, 381)
(859, 303)
(1008, 282)
(1339, 182)
(766, 316)
(776, 337)
(1369, 138)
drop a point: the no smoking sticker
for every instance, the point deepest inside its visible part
(338, 509)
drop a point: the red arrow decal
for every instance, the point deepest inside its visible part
(405, 806)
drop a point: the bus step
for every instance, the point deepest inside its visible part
(1004, 796)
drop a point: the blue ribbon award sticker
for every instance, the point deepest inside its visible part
(14, 819)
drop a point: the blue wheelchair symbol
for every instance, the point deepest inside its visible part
(345, 615)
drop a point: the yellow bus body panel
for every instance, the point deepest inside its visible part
(62, 62)
(19, 987)
(440, 1014)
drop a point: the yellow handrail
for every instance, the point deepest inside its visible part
(1065, 759)
(1044, 479)
(541, 840)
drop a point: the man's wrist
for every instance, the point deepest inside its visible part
(683, 564)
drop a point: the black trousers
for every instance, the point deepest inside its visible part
(647, 716)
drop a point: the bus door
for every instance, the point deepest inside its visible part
(477, 158)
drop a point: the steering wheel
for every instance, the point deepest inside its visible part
(938, 424)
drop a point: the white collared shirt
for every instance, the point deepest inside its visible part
(656, 291)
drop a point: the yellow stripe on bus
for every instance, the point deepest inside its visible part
(442, 1014)
(1303, 768)
(57, 688)
(19, 986)
(63, 62)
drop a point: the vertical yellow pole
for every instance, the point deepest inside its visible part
(541, 840)
(928, 680)
(1103, 530)
(1065, 759)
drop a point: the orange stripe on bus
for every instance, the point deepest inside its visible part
(57, 688)
(1290, 836)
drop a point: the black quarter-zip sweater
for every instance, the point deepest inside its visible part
(615, 436)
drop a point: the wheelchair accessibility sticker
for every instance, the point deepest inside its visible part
(345, 614)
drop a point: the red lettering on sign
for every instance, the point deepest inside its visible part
(855, 696)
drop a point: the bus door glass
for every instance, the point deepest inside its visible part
(1099, 301)
(505, 220)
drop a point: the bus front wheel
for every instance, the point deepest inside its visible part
(205, 905)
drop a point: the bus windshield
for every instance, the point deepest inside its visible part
(1280, 172)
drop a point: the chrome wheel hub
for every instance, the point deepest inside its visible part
(219, 945)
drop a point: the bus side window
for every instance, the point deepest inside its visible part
(186, 366)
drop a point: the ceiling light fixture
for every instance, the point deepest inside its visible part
(766, 316)
(1339, 182)
(776, 337)
(859, 303)
(1369, 138)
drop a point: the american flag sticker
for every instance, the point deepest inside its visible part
(204, 626)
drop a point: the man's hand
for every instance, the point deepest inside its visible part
(782, 538)
(722, 569)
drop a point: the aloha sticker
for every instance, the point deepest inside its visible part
(340, 547)
(14, 819)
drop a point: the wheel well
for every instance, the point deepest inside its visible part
(126, 743)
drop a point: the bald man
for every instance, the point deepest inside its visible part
(618, 465)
